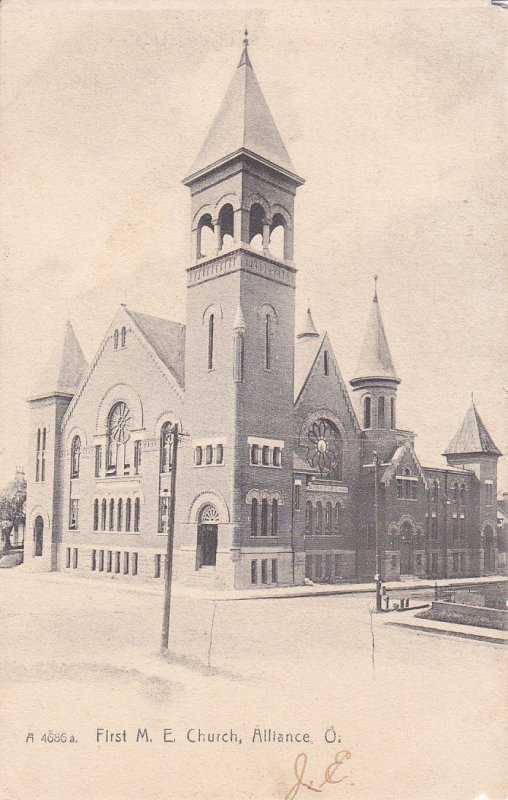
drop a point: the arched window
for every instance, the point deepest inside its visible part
(275, 517)
(456, 492)
(119, 515)
(38, 456)
(392, 413)
(75, 455)
(111, 514)
(165, 447)
(264, 517)
(268, 341)
(103, 515)
(115, 339)
(278, 246)
(326, 366)
(381, 412)
(309, 517)
(254, 517)
(319, 518)
(226, 222)
(256, 220)
(463, 493)
(124, 336)
(367, 412)
(435, 492)
(238, 366)
(328, 518)
(128, 506)
(211, 323)
(338, 518)
(119, 427)
(96, 515)
(205, 244)
(137, 514)
(43, 455)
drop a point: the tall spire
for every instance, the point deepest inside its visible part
(375, 357)
(243, 125)
(308, 330)
(64, 370)
(472, 437)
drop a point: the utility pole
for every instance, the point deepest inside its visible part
(169, 548)
(377, 576)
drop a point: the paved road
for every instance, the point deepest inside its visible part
(420, 713)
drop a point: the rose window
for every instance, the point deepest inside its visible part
(120, 422)
(323, 450)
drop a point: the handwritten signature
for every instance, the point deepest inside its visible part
(300, 766)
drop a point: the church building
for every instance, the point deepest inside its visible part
(283, 471)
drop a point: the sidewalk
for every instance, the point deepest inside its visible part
(447, 628)
(198, 593)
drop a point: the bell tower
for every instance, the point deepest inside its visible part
(237, 467)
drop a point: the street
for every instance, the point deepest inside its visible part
(421, 714)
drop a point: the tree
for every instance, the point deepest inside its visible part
(12, 508)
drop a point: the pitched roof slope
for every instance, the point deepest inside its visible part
(243, 122)
(64, 369)
(375, 357)
(472, 436)
(168, 340)
(306, 350)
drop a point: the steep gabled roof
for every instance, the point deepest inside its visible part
(167, 339)
(472, 437)
(375, 357)
(64, 369)
(243, 123)
(306, 351)
(389, 469)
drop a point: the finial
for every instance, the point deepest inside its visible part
(375, 287)
(246, 35)
(245, 60)
(472, 398)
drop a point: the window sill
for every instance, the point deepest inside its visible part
(201, 466)
(266, 466)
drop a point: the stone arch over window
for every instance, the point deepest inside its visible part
(257, 217)
(120, 392)
(208, 498)
(39, 511)
(278, 237)
(393, 533)
(205, 237)
(226, 223)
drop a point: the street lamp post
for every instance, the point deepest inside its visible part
(169, 547)
(377, 576)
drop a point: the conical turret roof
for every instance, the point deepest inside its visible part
(243, 124)
(308, 329)
(64, 369)
(375, 357)
(472, 437)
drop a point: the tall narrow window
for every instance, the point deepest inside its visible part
(433, 528)
(93, 563)
(128, 505)
(254, 517)
(163, 513)
(38, 457)
(117, 561)
(111, 515)
(134, 567)
(211, 322)
(137, 457)
(43, 455)
(238, 367)
(126, 563)
(265, 455)
(275, 518)
(338, 519)
(328, 519)
(75, 456)
(326, 365)
(275, 576)
(165, 447)
(268, 337)
(98, 460)
(254, 572)
(277, 456)
(462, 494)
(124, 337)
(74, 514)
(264, 517)
(264, 570)
(198, 456)
(296, 496)
(392, 413)
(367, 412)
(319, 518)
(254, 454)
(115, 339)
(119, 515)
(208, 454)
(219, 454)
(435, 492)
(456, 492)
(381, 412)
(96, 515)
(103, 515)
(137, 514)
(309, 517)
(101, 560)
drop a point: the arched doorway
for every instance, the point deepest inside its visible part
(406, 548)
(38, 535)
(206, 551)
(489, 550)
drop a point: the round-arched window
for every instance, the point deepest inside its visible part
(119, 432)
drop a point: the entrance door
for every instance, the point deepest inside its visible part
(38, 536)
(207, 545)
(406, 549)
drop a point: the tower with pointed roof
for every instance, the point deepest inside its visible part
(375, 381)
(240, 338)
(48, 403)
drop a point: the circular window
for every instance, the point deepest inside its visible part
(120, 422)
(324, 445)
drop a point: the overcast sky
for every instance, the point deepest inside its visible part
(394, 113)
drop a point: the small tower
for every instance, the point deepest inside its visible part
(47, 406)
(375, 381)
(239, 349)
(473, 448)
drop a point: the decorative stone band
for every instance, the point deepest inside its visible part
(262, 494)
(242, 259)
(327, 487)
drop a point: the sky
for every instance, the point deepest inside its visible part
(394, 113)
